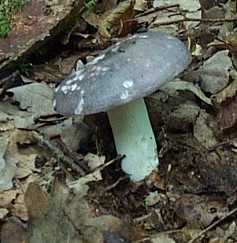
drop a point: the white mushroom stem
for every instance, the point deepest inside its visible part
(134, 138)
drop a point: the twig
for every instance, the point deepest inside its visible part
(142, 218)
(204, 20)
(213, 225)
(118, 157)
(153, 10)
(112, 186)
(60, 155)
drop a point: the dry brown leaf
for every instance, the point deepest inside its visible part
(6, 197)
(13, 200)
(19, 208)
(200, 210)
(226, 94)
(227, 115)
(36, 201)
(26, 165)
(203, 131)
(226, 102)
(106, 5)
(140, 5)
(3, 213)
(117, 22)
(13, 231)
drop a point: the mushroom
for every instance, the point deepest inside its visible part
(116, 81)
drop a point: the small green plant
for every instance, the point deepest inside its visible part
(90, 5)
(7, 8)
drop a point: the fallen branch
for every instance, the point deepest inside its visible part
(204, 20)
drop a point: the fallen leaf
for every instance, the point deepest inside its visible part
(13, 231)
(3, 213)
(70, 218)
(19, 208)
(203, 132)
(226, 104)
(26, 165)
(7, 164)
(179, 85)
(227, 115)
(116, 24)
(215, 72)
(35, 98)
(183, 117)
(94, 161)
(6, 197)
(140, 5)
(200, 210)
(36, 201)
(190, 9)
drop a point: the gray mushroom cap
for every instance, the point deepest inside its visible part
(133, 68)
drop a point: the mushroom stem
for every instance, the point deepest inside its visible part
(133, 136)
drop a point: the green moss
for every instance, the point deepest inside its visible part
(7, 8)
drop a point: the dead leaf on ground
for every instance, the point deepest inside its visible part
(36, 201)
(118, 23)
(215, 72)
(13, 231)
(203, 131)
(7, 164)
(179, 85)
(94, 161)
(3, 213)
(190, 9)
(70, 221)
(200, 210)
(6, 197)
(226, 104)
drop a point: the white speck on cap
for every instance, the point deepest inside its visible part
(81, 76)
(54, 104)
(92, 75)
(105, 69)
(94, 61)
(124, 95)
(132, 37)
(116, 48)
(57, 88)
(70, 81)
(170, 37)
(148, 65)
(80, 105)
(73, 87)
(118, 43)
(128, 84)
(98, 68)
(65, 88)
(143, 36)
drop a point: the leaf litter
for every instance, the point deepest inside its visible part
(60, 178)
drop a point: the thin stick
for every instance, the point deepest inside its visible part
(153, 10)
(110, 187)
(213, 225)
(186, 19)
